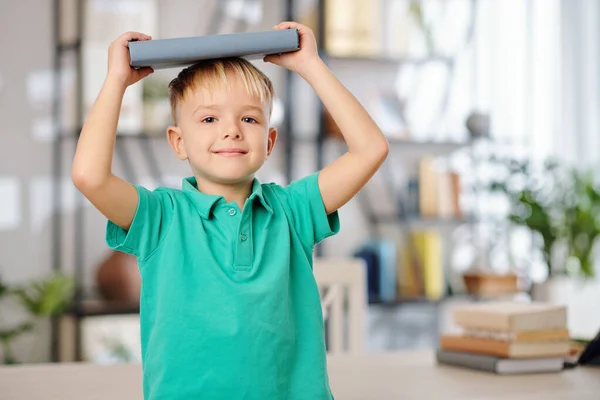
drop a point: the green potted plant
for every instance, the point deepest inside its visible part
(582, 223)
(562, 206)
(8, 335)
(415, 9)
(41, 299)
(536, 196)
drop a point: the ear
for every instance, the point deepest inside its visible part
(176, 142)
(271, 139)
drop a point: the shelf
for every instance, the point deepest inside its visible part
(394, 141)
(98, 307)
(141, 135)
(417, 221)
(433, 147)
(390, 60)
(407, 300)
(427, 143)
(69, 46)
(123, 136)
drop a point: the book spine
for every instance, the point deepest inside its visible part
(482, 321)
(553, 319)
(467, 360)
(528, 336)
(475, 345)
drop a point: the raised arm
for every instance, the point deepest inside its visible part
(92, 166)
(367, 146)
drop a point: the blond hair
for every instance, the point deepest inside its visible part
(210, 73)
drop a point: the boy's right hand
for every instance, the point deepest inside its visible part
(119, 68)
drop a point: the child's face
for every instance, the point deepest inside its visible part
(224, 133)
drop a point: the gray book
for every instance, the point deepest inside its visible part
(178, 52)
(498, 365)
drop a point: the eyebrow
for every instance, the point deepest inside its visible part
(254, 108)
(215, 106)
(204, 106)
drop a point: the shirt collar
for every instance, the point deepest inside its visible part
(205, 202)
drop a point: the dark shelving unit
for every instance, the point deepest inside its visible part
(62, 134)
(85, 304)
(99, 307)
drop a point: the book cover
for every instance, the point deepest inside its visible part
(428, 188)
(179, 52)
(353, 28)
(502, 348)
(429, 245)
(427, 250)
(386, 254)
(499, 365)
(527, 336)
(510, 316)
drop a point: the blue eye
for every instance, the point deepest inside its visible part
(209, 120)
(249, 120)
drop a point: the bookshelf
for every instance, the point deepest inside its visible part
(402, 219)
(391, 60)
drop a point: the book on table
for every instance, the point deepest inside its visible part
(497, 316)
(507, 337)
(506, 348)
(499, 365)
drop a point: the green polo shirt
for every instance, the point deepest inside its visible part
(229, 306)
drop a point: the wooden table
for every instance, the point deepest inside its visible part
(401, 375)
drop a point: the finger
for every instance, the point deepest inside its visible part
(136, 35)
(130, 36)
(144, 72)
(288, 25)
(272, 58)
(302, 30)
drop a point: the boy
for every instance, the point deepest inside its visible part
(229, 305)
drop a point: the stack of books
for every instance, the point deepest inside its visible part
(507, 338)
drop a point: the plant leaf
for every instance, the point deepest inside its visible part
(7, 335)
(47, 297)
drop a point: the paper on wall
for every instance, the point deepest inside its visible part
(41, 204)
(10, 205)
(102, 336)
(40, 87)
(43, 129)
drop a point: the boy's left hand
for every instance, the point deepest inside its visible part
(301, 60)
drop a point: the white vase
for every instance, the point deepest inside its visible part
(582, 298)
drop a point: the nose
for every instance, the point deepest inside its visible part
(232, 132)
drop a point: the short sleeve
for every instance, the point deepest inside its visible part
(311, 219)
(150, 224)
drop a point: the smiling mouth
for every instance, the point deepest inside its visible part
(230, 152)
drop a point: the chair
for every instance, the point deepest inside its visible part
(342, 284)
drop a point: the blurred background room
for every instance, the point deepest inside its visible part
(491, 189)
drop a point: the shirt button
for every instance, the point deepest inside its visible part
(243, 237)
(232, 211)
